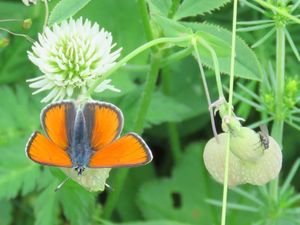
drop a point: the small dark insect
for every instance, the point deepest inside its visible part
(264, 136)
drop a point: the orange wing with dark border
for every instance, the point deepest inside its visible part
(41, 150)
(58, 122)
(128, 151)
(104, 123)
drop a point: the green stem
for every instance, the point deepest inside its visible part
(46, 14)
(134, 53)
(277, 128)
(214, 57)
(147, 94)
(168, 59)
(232, 62)
(145, 20)
(212, 118)
(143, 107)
(280, 11)
(172, 131)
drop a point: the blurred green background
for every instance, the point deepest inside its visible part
(168, 191)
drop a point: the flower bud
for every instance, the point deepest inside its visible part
(4, 42)
(27, 23)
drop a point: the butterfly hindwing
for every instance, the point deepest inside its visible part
(130, 150)
(58, 122)
(104, 123)
(41, 150)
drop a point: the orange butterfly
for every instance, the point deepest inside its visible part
(86, 137)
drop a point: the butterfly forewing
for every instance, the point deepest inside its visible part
(130, 150)
(58, 122)
(104, 123)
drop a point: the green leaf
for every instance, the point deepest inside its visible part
(162, 109)
(247, 65)
(160, 7)
(15, 103)
(172, 28)
(183, 195)
(77, 204)
(17, 172)
(152, 222)
(65, 9)
(127, 207)
(46, 207)
(16, 53)
(197, 7)
(18, 118)
(122, 19)
(5, 212)
(165, 109)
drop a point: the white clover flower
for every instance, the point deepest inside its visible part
(71, 57)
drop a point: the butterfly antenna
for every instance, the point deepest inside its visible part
(61, 184)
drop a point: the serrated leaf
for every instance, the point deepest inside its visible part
(183, 195)
(17, 173)
(160, 7)
(197, 7)
(19, 113)
(246, 66)
(65, 9)
(46, 207)
(77, 204)
(172, 28)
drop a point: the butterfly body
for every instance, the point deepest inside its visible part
(80, 150)
(80, 137)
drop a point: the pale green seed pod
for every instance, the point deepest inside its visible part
(246, 145)
(267, 167)
(258, 172)
(214, 160)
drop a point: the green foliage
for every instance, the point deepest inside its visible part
(246, 66)
(167, 191)
(183, 195)
(5, 212)
(65, 9)
(197, 7)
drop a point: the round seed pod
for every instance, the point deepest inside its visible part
(241, 171)
(267, 167)
(246, 145)
(214, 160)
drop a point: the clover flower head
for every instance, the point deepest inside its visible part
(71, 57)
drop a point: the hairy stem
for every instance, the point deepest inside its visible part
(134, 53)
(172, 131)
(232, 62)
(142, 111)
(277, 128)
